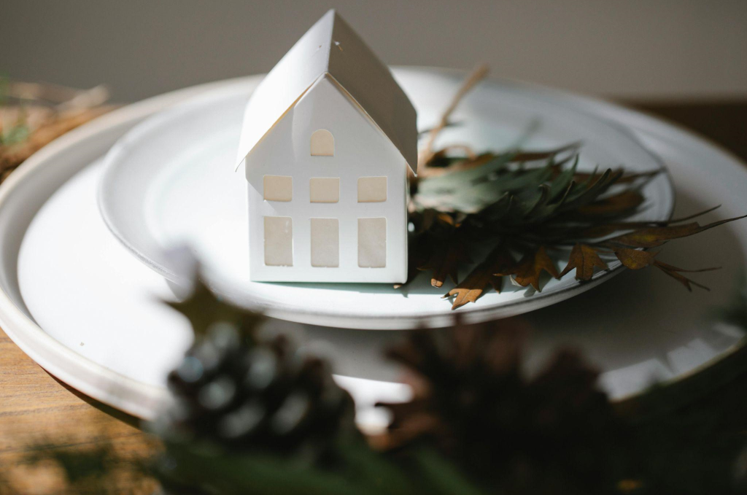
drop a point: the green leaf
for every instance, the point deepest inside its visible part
(203, 309)
(256, 474)
(442, 476)
(375, 470)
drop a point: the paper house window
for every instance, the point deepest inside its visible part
(323, 143)
(324, 189)
(277, 188)
(372, 242)
(372, 189)
(278, 241)
(325, 242)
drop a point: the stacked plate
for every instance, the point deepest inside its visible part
(88, 224)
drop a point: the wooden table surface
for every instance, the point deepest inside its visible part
(35, 407)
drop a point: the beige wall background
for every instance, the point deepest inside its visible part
(635, 50)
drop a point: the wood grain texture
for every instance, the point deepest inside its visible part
(36, 408)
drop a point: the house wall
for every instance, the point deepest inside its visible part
(361, 150)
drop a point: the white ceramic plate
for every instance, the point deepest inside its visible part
(171, 181)
(65, 281)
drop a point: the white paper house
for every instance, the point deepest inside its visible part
(328, 142)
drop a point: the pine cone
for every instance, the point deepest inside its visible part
(265, 398)
(473, 404)
(241, 392)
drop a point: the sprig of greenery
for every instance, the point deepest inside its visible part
(18, 131)
(516, 213)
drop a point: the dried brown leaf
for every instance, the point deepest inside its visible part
(657, 236)
(602, 230)
(529, 269)
(635, 259)
(677, 274)
(584, 259)
(470, 289)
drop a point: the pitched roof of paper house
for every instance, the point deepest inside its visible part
(331, 48)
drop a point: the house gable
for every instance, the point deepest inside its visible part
(332, 49)
(286, 148)
(370, 83)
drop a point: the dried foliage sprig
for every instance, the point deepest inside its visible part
(32, 115)
(513, 214)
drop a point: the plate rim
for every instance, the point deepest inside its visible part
(25, 333)
(121, 392)
(368, 320)
(160, 267)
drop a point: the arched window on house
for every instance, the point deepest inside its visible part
(322, 143)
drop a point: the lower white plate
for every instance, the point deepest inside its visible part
(79, 304)
(171, 180)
